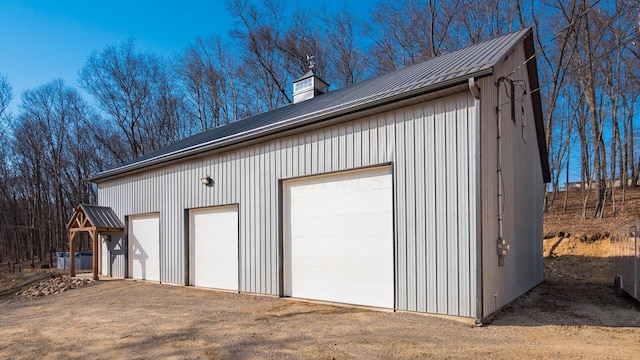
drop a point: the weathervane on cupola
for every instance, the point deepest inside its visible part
(311, 60)
(309, 85)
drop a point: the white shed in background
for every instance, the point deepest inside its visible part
(383, 193)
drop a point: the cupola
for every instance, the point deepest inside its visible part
(308, 86)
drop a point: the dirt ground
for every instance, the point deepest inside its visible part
(574, 313)
(572, 218)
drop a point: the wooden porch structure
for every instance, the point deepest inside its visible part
(93, 220)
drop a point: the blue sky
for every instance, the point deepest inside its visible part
(48, 39)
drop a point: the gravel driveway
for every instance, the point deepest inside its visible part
(132, 319)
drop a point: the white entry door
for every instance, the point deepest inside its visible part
(213, 247)
(144, 247)
(104, 257)
(338, 243)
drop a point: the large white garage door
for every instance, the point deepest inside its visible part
(338, 242)
(144, 247)
(213, 247)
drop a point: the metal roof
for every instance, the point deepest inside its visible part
(101, 216)
(438, 73)
(309, 74)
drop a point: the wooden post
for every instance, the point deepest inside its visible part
(94, 235)
(72, 257)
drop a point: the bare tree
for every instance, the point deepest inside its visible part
(258, 31)
(166, 120)
(301, 39)
(556, 57)
(483, 19)
(409, 32)
(134, 91)
(204, 83)
(209, 77)
(346, 62)
(52, 144)
(6, 95)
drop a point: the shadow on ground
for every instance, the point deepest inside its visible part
(576, 291)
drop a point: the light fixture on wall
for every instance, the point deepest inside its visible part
(206, 181)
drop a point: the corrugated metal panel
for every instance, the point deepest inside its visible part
(465, 160)
(489, 193)
(523, 193)
(101, 216)
(430, 184)
(431, 207)
(420, 189)
(424, 142)
(451, 142)
(441, 213)
(402, 223)
(462, 206)
(115, 255)
(409, 240)
(476, 60)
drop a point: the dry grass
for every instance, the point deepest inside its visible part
(570, 220)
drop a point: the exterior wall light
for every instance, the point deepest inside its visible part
(206, 181)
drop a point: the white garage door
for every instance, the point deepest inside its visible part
(144, 247)
(339, 237)
(213, 247)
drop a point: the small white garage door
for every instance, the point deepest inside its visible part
(144, 247)
(213, 247)
(338, 242)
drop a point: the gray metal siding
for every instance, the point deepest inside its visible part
(430, 146)
(116, 249)
(523, 192)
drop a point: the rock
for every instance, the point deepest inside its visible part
(54, 286)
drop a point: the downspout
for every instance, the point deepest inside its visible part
(475, 92)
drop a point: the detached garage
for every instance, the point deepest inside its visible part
(418, 190)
